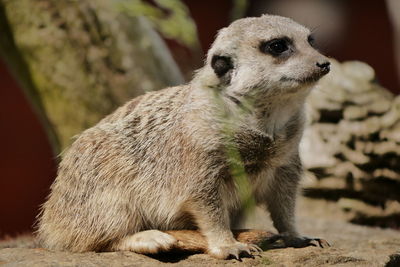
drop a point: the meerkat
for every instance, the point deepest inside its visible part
(159, 162)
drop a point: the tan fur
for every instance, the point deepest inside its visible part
(159, 162)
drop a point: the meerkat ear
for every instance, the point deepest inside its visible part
(221, 65)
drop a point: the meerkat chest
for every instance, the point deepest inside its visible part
(255, 148)
(260, 150)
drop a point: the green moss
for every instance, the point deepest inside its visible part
(236, 166)
(19, 67)
(176, 25)
(266, 261)
(239, 9)
(78, 61)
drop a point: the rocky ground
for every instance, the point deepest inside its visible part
(351, 245)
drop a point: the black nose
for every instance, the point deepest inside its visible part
(324, 66)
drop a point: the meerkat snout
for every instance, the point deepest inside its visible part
(325, 67)
(321, 70)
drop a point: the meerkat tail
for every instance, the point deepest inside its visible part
(192, 241)
(147, 242)
(188, 241)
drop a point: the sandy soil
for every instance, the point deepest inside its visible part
(351, 245)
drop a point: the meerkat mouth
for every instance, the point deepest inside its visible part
(309, 79)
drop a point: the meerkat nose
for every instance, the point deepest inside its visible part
(325, 67)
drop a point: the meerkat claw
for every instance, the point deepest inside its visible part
(235, 255)
(284, 241)
(235, 251)
(255, 248)
(247, 252)
(316, 242)
(322, 243)
(301, 242)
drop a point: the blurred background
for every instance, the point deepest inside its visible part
(66, 64)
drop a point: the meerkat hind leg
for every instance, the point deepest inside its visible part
(147, 242)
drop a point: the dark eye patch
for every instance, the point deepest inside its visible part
(276, 47)
(221, 65)
(311, 40)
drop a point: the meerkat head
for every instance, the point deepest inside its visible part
(272, 55)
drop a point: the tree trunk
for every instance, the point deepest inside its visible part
(78, 60)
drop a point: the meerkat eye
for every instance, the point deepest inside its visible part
(311, 40)
(275, 47)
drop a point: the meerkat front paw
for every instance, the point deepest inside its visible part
(235, 250)
(316, 242)
(303, 241)
(284, 240)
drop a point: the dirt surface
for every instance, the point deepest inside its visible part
(351, 245)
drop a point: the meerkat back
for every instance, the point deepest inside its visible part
(107, 180)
